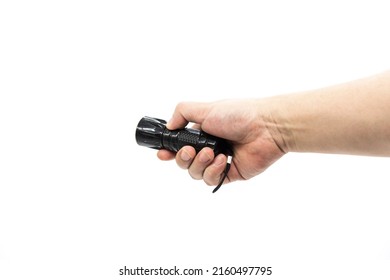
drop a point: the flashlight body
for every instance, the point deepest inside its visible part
(152, 133)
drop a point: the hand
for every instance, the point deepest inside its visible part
(243, 123)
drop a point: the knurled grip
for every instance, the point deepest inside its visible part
(187, 137)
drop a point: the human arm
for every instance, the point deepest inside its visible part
(351, 118)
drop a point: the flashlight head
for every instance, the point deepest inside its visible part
(149, 132)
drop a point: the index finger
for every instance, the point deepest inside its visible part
(186, 112)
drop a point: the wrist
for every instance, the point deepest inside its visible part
(274, 113)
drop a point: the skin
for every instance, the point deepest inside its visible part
(350, 118)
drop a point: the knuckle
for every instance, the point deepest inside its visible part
(209, 183)
(210, 177)
(195, 175)
(180, 106)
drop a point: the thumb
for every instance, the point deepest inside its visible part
(186, 112)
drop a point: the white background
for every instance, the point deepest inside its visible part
(79, 199)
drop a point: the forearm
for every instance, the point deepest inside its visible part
(351, 118)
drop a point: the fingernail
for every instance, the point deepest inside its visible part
(185, 156)
(204, 157)
(219, 161)
(169, 123)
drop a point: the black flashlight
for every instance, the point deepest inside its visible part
(152, 133)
